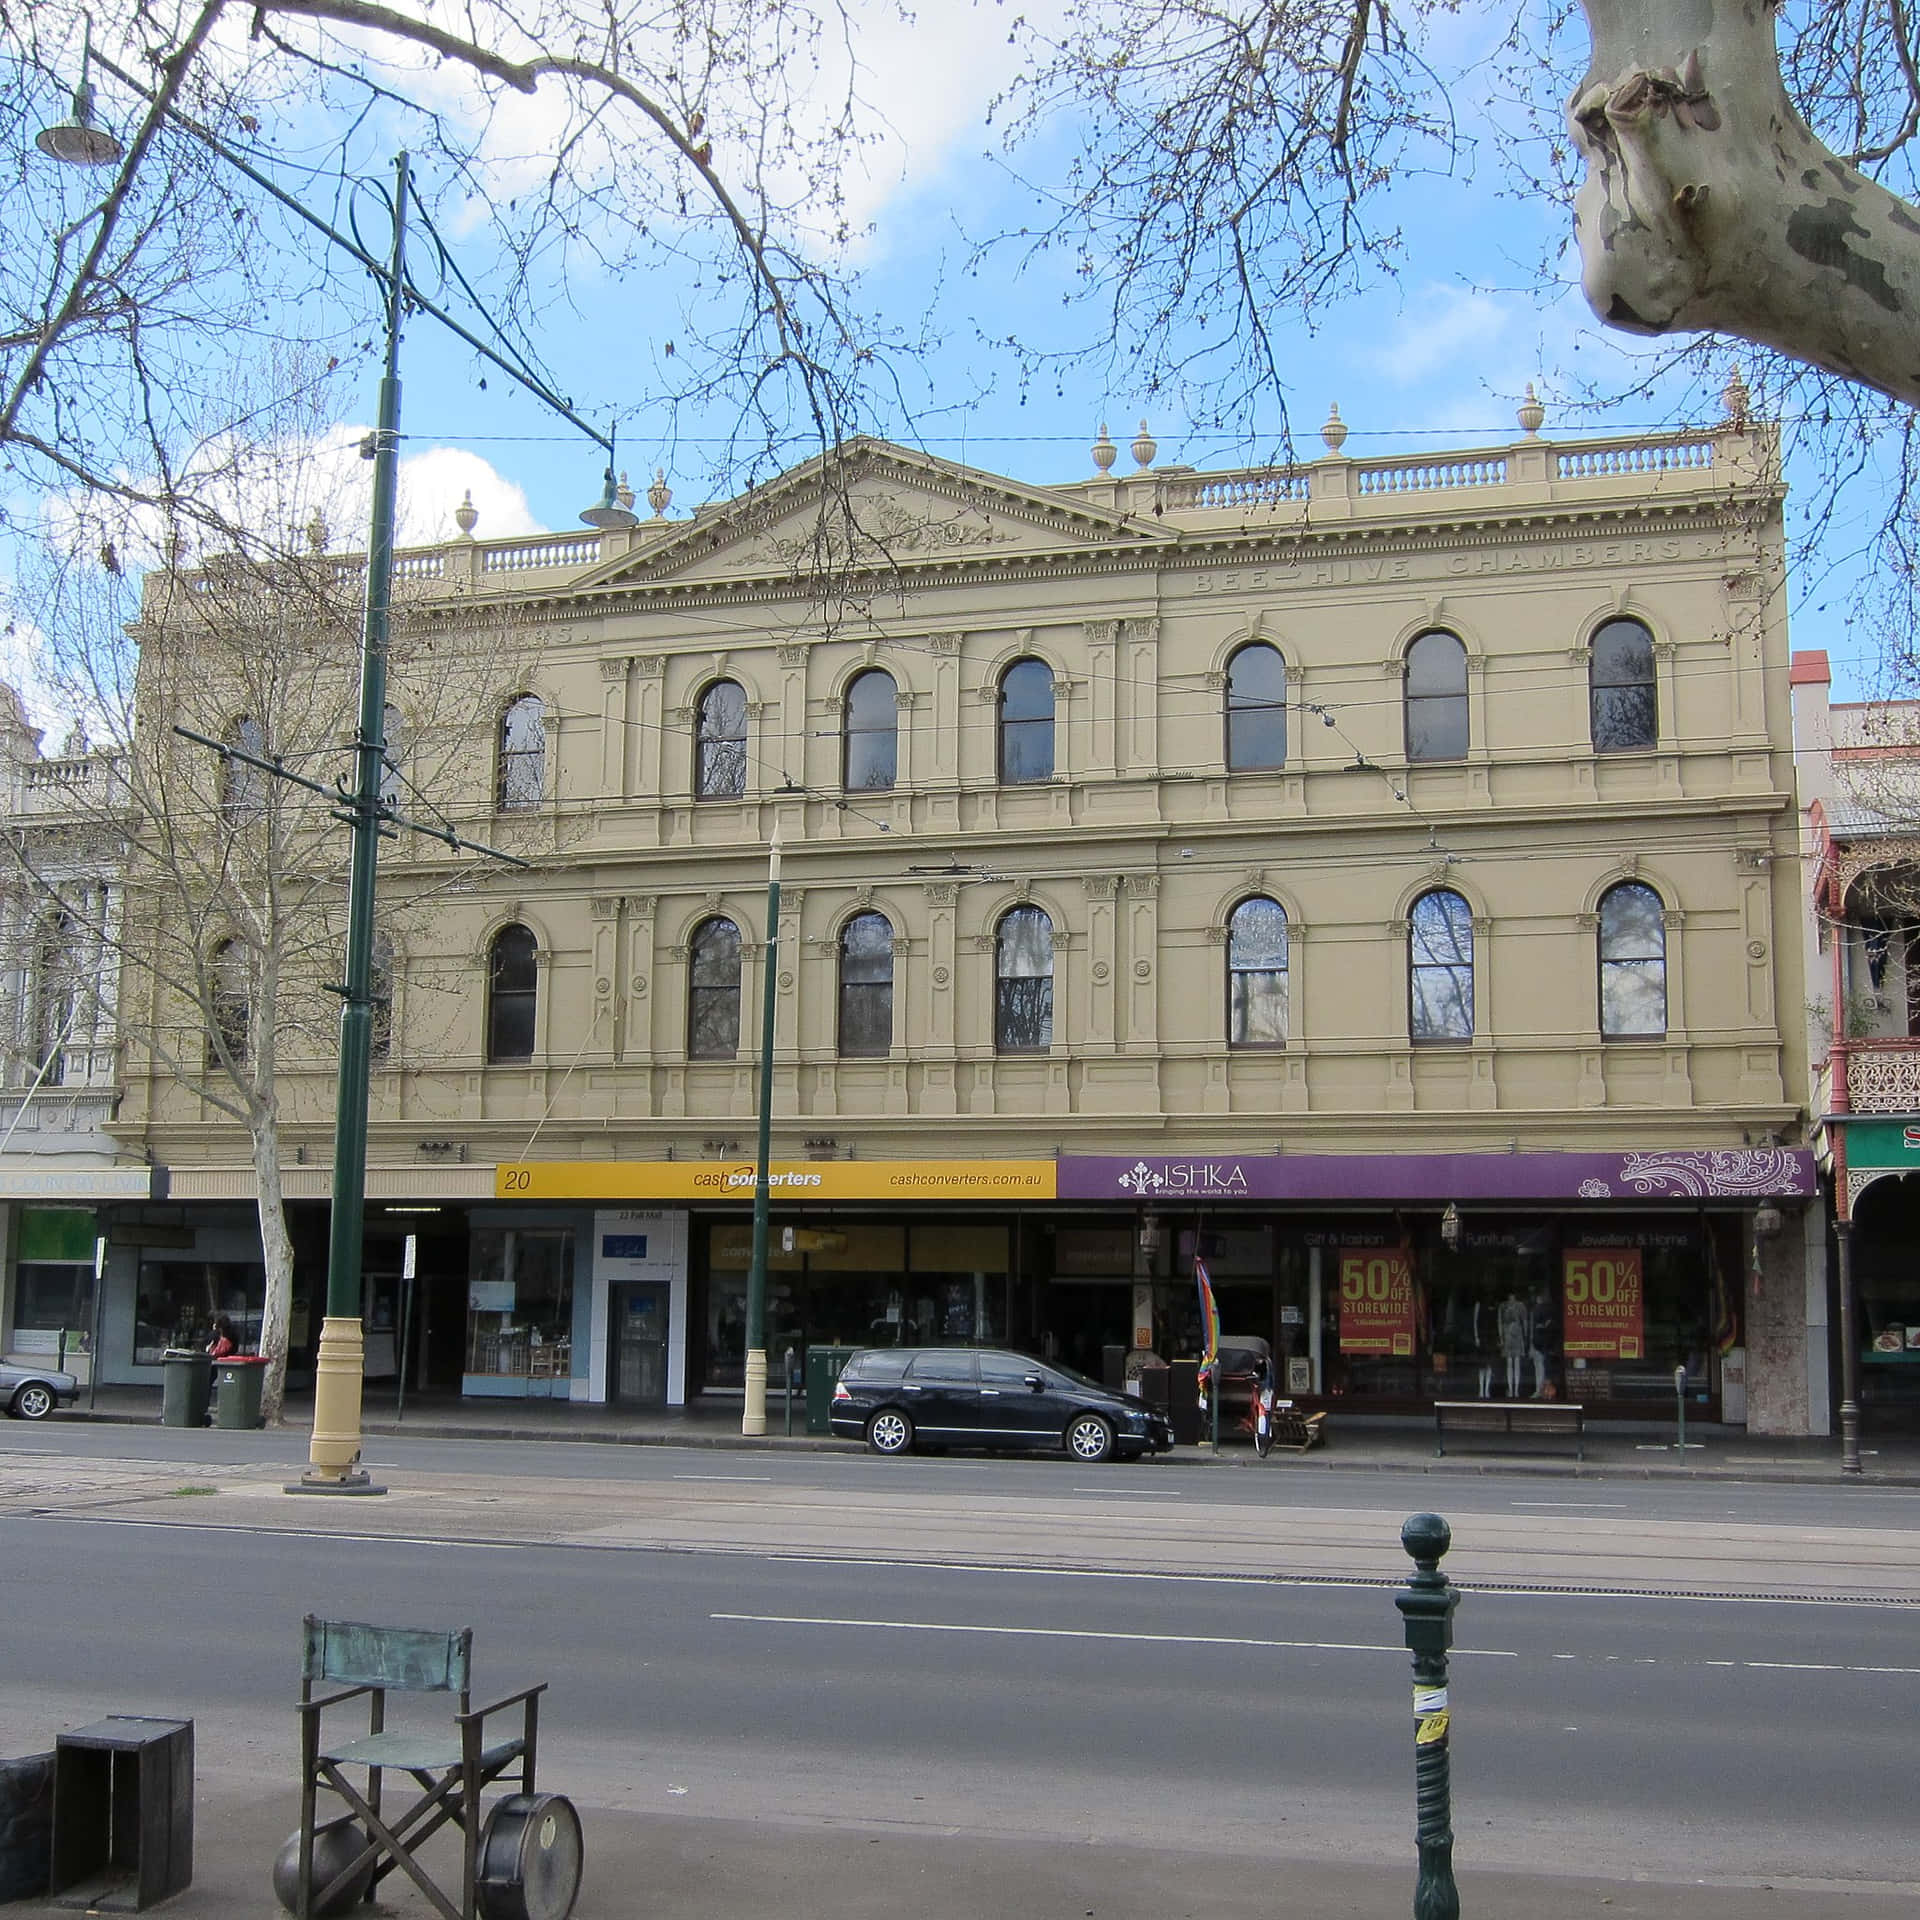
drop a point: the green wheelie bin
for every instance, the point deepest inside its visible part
(186, 1386)
(239, 1378)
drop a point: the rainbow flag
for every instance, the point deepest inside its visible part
(1209, 1323)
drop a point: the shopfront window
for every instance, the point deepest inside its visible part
(178, 1299)
(520, 1304)
(1594, 1311)
(856, 1284)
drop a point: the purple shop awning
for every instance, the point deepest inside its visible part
(1665, 1173)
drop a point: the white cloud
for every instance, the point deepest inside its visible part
(432, 485)
(1443, 329)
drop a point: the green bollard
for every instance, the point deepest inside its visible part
(1427, 1611)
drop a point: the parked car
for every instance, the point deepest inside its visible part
(895, 1398)
(31, 1393)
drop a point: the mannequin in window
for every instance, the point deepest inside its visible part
(1539, 1329)
(1516, 1335)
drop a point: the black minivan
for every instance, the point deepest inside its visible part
(895, 1397)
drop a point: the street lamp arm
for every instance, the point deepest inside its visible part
(378, 268)
(173, 73)
(524, 76)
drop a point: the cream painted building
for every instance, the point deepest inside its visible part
(1377, 873)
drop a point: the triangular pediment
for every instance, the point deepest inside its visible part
(873, 509)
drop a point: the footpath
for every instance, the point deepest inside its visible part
(1355, 1443)
(668, 1868)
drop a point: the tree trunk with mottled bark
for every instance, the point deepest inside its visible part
(1709, 204)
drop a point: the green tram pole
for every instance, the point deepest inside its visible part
(753, 1413)
(334, 1451)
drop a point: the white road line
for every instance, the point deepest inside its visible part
(1620, 1504)
(1238, 1640)
(285, 1533)
(1818, 1666)
(724, 1476)
(1085, 1633)
(1135, 1493)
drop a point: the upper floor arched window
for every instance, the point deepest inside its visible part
(866, 986)
(720, 745)
(872, 749)
(243, 787)
(57, 962)
(513, 992)
(1437, 698)
(1440, 968)
(1023, 982)
(229, 984)
(1256, 708)
(523, 754)
(1026, 722)
(1633, 963)
(1625, 705)
(713, 991)
(1257, 974)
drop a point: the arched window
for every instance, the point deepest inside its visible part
(231, 1005)
(56, 996)
(1256, 709)
(394, 756)
(243, 788)
(1023, 982)
(1626, 709)
(513, 992)
(1440, 968)
(713, 991)
(866, 986)
(720, 747)
(1026, 722)
(1633, 963)
(1257, 974)
(873, 740)
(523, 754)
(381, 983)
(1436, 698)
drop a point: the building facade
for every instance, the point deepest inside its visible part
(1373, 875)
(1859, 772)
(61, 1172)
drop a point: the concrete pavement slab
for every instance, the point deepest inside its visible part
(680, 1867)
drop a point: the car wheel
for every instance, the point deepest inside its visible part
(1089, 1438)
(32, 1402)
(890, 1431)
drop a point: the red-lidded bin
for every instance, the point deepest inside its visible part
(238, 1379)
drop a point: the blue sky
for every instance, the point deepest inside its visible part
(1436, 356)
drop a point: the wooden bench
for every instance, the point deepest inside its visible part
(1522, 1419)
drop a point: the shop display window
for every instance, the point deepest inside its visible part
(854, 1284)
(520, 1303)
(178, 1299)
(53, 1294)
(1887, 1294)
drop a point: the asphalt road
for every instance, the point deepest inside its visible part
(1239, 1717)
